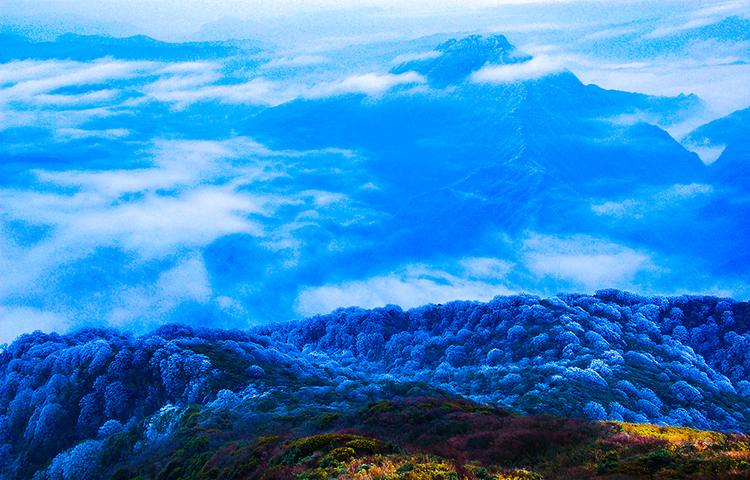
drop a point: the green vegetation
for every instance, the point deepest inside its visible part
(424, 439)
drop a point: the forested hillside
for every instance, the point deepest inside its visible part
(612, 356)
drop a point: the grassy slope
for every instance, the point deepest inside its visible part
(424, 438)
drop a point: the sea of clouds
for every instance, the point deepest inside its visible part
(122, 178)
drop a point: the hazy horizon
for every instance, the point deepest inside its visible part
(586, 36)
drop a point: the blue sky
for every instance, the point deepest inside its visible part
(174, 19)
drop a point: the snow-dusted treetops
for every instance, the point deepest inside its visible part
(612, 356)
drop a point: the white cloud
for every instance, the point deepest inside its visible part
(176, 164)
(47, 75)
(66, 134)
(193, 193)
(724, 87)
(665, 31)
(25, 269)
(298, 61)
(80, 100)
(722, 8)
(15, 321)
(412, 286)
(257, 91)
(158, 225)
(613, 32)
(173, 206)
(141, 307)
(30, 78)
(369, 186)
(322, 198)
(153, 224)
(53, 119)
(410, 57)
(486, 268)
(652, 202)
(537, 67)
(372, 84)
(680, 192)
(185, 84)
(708, 153)
(30, 92)
(584, 261)
(187, 281)
(190, 82)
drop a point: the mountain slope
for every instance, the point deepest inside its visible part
(732, 168)
(413, 439)
(455, 160)
(729, 174)
(613, 356)
(556, 120)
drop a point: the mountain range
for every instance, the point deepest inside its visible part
(520, 151)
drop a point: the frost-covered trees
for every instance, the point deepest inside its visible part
(82, 462)
(614, 355)
(58, 391)
(560, 344)
(687, 393)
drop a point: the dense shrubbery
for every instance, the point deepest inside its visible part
(415, 439)
(676, 361)
(613, 356)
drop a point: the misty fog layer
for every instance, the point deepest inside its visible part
(237, 182)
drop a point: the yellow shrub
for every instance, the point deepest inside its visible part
(677, 435)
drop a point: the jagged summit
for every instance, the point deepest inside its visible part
(485, 44)
(455, 60)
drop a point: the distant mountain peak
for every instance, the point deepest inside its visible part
(134, 40)
(488, 44)
(457, 59)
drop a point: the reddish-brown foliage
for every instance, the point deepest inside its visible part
(466, 431)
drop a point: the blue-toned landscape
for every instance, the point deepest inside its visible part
(370, 240)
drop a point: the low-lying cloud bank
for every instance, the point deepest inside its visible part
(64, 95)
(537, 67)
(127, 244)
